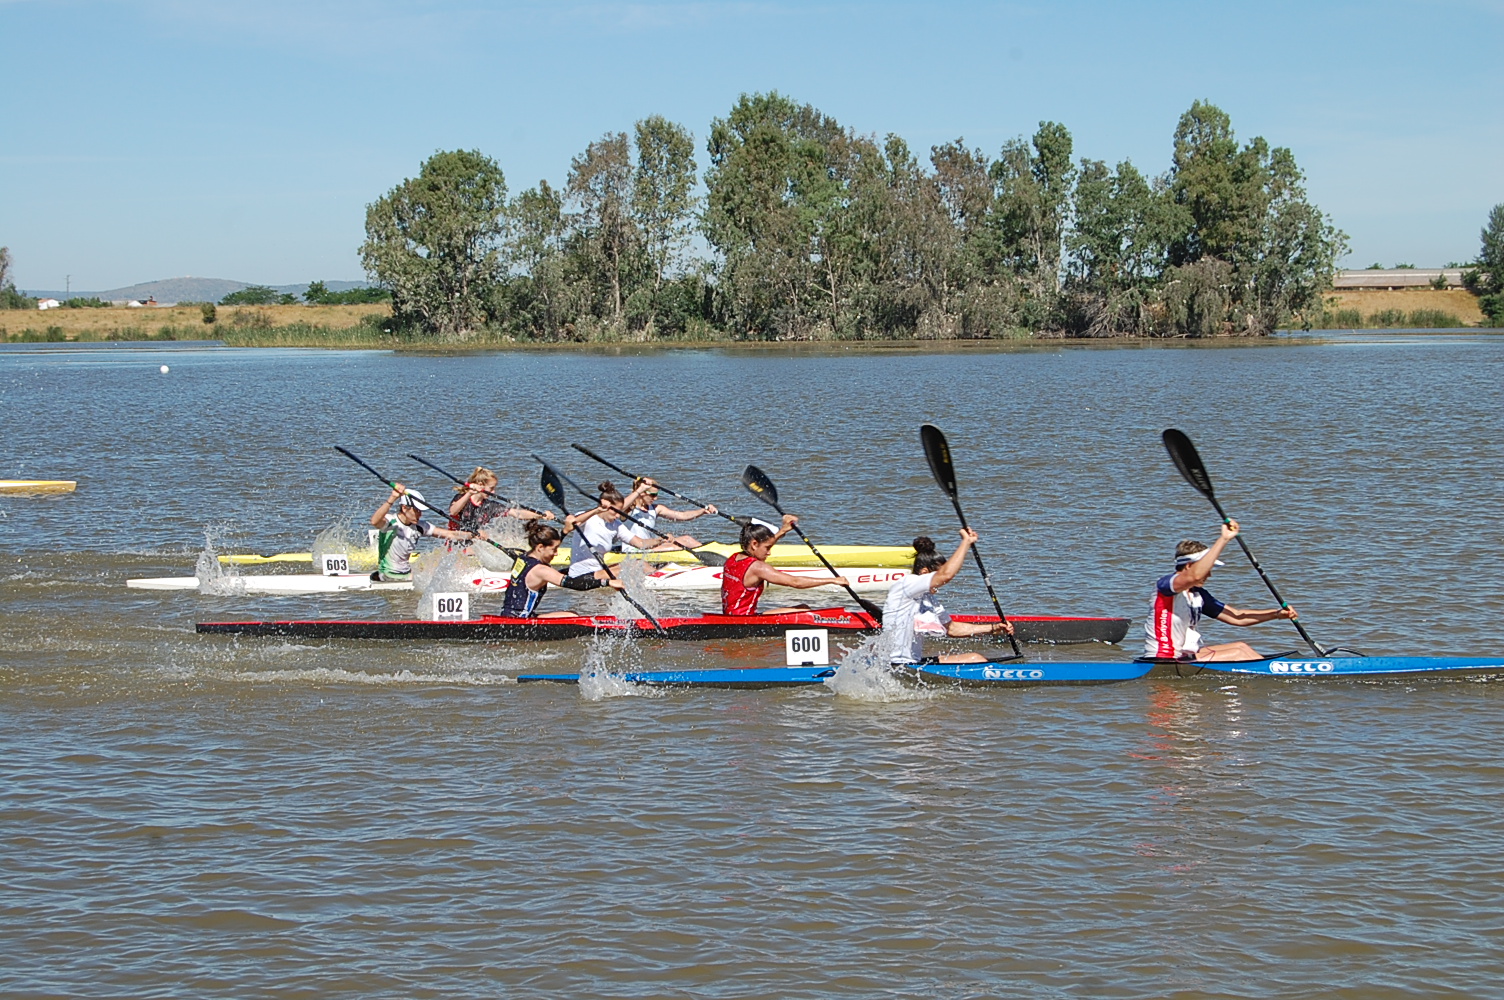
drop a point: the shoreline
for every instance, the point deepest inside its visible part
(1281, 338)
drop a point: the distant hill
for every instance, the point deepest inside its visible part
(186, 290)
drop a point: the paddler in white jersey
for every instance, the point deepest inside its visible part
(1180, 602)
(600, 531)
(399, 536)
(912, 611)
(644, 513)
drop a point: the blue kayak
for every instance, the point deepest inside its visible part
(1342, 666)
(1005, 674)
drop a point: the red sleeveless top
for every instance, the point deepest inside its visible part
(736, 597)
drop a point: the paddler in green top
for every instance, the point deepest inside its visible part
(399, 534)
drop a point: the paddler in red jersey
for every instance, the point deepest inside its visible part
(747, 572)
(1180, 602)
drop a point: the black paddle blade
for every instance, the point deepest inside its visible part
(594, 457)
(760, 486)
(937, 453)
(1184, 455)
(553, 488)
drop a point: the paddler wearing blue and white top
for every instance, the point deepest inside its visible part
(533, 577)
(1181, 601)
(600, 530)
(912, 610)
(399, 534)
(644, 513)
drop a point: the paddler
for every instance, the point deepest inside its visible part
(475, 503)
(534, 576)
(600, 531)
(747, 572)
(643, 515)
(911, 610)
(1181, 601)
(399, 534)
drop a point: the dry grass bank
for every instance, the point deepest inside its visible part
(186, 322)
(1457, 301)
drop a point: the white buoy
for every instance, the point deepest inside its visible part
(165, 369)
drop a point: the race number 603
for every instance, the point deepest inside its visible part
(807, 647)
(336, 564)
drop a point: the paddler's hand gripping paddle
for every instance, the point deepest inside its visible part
(937, 453)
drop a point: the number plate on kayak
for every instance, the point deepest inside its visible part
(336, 564)
(807, 647)
(451, 607)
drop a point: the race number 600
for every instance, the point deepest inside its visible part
(807, 647)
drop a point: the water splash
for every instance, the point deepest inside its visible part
(633, 573)
(607, 657)
(863, 675)
(214, 577)
(442, 572)
(344, 536)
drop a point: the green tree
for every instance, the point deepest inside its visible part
(316, 293)
(252, 295)
(1485, 279)
(607, 243)
(538, 300)
(1246, 207)
(663, 201)
(1033, 181)
(1116, 249)
(776, 185)
(436, 242)
(9, 297)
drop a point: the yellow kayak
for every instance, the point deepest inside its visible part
(887, 556)
(37, 485)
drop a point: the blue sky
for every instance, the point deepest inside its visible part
(155, 138)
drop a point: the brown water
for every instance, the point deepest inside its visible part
(187, 816)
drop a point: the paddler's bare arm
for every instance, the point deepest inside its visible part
(789, 520)
(762, 571)
(1242, 616)
(378, 519)
(1195, 574)
(948, 570)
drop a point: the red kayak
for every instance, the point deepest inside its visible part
(493, 628)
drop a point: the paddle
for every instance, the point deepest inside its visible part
(760, 486)
(616, 468)
(549, 480)
(461, 482)
(937, 453)
(706, 558)
(1184, 455)
(424, 504)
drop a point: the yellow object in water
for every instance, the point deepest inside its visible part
(37, 485)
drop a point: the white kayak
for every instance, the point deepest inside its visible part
(863, 579)
(301, 583)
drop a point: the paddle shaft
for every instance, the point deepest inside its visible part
(600, 557)
(461, 482)
(616, 468)
(976, 554)
(1217, 506)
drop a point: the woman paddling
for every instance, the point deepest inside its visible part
(399, 534)
(912, 611)
(643, 515)
(475, 503)
(600, 531)
(1180, 602)
(747, 572)
(535, 575)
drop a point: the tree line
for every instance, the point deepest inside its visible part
(808, 230)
